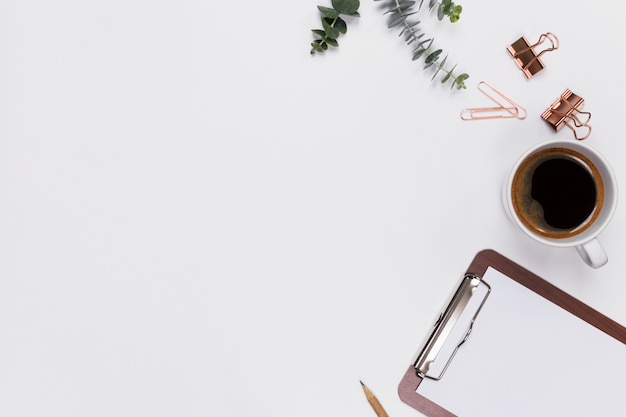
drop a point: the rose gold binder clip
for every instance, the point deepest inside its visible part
(525, 55)
(565, 111)
(505, 109)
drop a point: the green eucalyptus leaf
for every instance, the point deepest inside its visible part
(329, 28)
(328, 12)
(443, 61)
(411, 33)
(401, 7)
(346, 6)
(440, 13)
(318, 32)
(435, 74)
(395, 22)
(441, 65)
(424, 42)
(456, 13)
(341, 26)
(460, 81)
(417, 53)
(432, 57)
(331, 42)
(431, 4)
(413, 24)
(448, 75)
(395, 15)
(316, 47)
(459, 85)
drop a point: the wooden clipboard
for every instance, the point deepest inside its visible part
(554, 317)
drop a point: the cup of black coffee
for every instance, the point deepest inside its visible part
(563, 193)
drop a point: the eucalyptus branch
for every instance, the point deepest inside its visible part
(400, 11)
(333, 25)
(446, 8)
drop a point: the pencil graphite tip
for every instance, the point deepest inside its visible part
(371, 398)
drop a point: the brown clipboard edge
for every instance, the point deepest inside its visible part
(407, 389)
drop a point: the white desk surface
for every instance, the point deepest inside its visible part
(199, 218)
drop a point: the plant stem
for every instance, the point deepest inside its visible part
(441, 68)
(413, 33)
(404, 21)
(332, 25)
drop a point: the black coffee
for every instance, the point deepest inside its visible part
(557, 192)
(565, 190)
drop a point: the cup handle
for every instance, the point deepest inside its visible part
(592, 253)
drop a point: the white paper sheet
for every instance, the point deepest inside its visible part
(528, 357)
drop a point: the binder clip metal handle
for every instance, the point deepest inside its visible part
(525, 55)
(566, 111)
(463, 306)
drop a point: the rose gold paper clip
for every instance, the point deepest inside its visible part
(525, 56)
(505, 109)
(565, 111)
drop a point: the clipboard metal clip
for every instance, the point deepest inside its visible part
(462, 306)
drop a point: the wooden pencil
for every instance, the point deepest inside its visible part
(371, 398)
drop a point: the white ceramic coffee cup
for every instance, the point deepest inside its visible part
(586, 242)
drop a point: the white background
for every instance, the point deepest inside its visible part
(199, 218)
